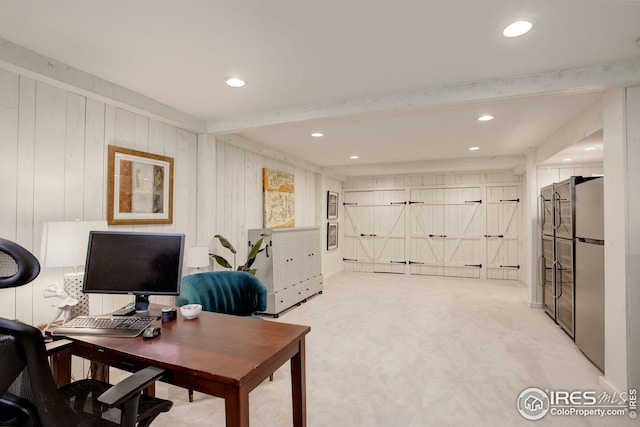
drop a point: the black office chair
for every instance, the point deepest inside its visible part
(29, 396)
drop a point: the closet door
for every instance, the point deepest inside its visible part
(374, 230)
(389, 232)
(463, 230)
(502, 232)
(426, 238)
(446, 230)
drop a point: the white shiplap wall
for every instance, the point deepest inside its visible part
(53, 145)
(239, 194)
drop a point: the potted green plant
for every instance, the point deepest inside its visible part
(251, 257)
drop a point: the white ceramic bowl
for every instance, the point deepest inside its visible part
(191, 311)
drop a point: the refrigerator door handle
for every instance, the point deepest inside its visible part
(557, 216)
(559, 271)
(541, 210)
(555, 279)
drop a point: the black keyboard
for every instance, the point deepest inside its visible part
(105, 325)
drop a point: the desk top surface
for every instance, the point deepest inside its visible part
(227, 348)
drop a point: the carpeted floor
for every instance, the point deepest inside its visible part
(398, 351)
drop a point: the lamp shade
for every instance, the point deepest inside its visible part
(64, 244)
(197, 256)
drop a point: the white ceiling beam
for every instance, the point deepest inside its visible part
(23, 61)
(572, 80)
(443, 165)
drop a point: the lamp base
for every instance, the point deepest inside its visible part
(73, 288)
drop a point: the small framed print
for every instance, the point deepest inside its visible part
(139, 188)
(332, 235)
(332, 205)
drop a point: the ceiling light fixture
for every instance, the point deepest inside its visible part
(589, 148)
(566, 160)
(354, 157)
(474, 148)
(485, 118)
(517, 29)
(234, 82)
(317, 134)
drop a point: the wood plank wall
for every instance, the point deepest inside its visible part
(53, 147)
(239, 195)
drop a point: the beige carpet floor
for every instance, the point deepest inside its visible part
(398, 351)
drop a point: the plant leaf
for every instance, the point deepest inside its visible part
(224, 242)
(223, 262)
(256, 248)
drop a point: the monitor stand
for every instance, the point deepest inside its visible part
(142, 307)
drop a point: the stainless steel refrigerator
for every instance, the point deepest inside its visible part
(589, 269)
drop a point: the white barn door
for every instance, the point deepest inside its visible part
(446, 231)
(375, 230)
(503, 204)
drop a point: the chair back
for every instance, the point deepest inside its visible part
(18, 266)
(230, 292)
(26, 383)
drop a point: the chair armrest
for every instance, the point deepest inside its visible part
(56, 346)
(130, 386)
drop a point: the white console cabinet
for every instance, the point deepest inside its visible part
(289, 266)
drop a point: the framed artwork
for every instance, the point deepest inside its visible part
(332, 235)
(279, 199)
(332, 205)
(139, 188)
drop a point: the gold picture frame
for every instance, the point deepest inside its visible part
(139, 188)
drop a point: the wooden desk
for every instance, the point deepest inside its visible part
(221, 355)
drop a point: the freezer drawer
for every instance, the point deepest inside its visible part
(589, 331)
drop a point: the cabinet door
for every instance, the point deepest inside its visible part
(546, 276)
(564, 284)
(545, 210)
(285, 260)
(563, 198)
(502, 214)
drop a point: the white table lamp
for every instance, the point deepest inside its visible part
(64, 244)
(197, 257)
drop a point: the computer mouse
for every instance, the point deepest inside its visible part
(151, 332)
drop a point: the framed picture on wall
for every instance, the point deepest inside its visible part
(139, 187)
(332, 235)
(332, 205)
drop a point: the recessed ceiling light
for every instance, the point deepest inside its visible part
(474, 148)
(234, 82)
(516, 29)
(566, 160)
(354, 157)
(485, 118)
(317, 134)
(589, 148)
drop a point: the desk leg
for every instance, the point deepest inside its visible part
(299, 387)
(236, 405)
(61, 367)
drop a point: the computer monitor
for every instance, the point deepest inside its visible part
(141, 264)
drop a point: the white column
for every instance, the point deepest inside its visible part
(532, 230)
(633, 236)
(616, 225)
